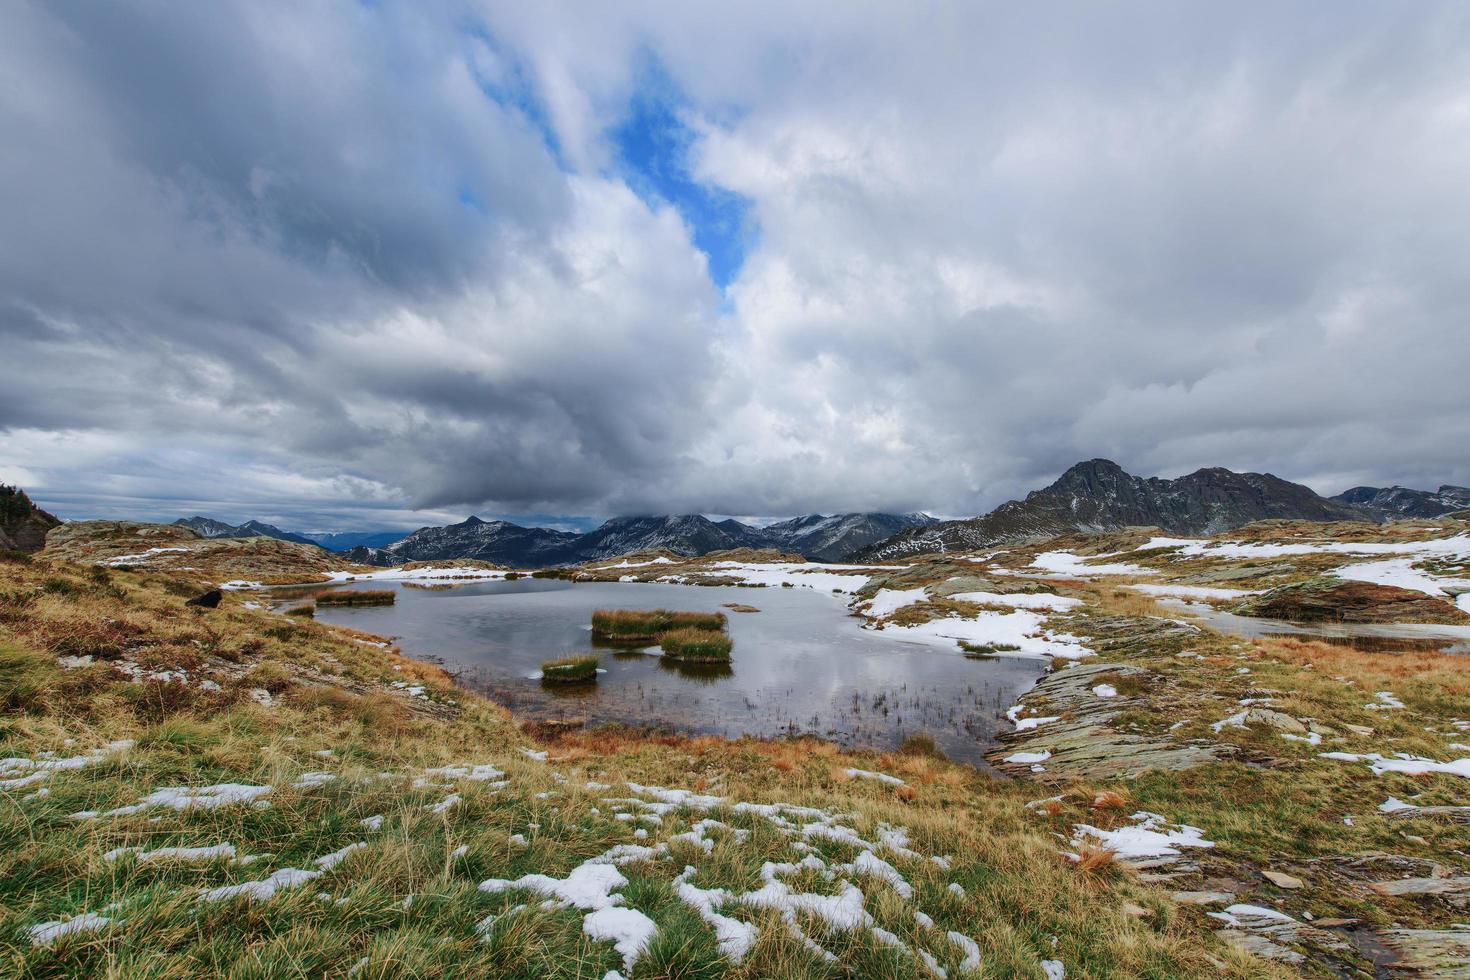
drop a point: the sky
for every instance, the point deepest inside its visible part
(352, 264)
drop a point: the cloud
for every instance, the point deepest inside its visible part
(361, 263)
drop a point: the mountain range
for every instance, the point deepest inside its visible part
(1396, 503)
(1095, 495)
(816, 536)
(1098, 495)
(208, 527)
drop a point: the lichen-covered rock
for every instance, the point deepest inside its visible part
(1338, 600)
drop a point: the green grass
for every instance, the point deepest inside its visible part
(696, 644)
(648, 624)
(570, 669)
(356, 597)
(305, 612)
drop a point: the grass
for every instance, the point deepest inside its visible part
(570, 669)
(357, 597)
(305, 612)
(1278, 806)
(983, 650)
(701, 645)
(646, 625)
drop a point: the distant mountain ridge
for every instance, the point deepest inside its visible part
(1099, 495)
(815, 536)
(1396, 503)
(208, 527)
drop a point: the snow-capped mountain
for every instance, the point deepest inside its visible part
(208, 527)
(1098, 495)
(504, 543)
(500, 542)
(831, 538)
(1396, 503)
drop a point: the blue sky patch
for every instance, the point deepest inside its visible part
(652, 144)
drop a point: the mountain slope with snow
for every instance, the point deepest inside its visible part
(1098, 495)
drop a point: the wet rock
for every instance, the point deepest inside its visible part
(1281, 880)
(209, 600)
(1338, 600)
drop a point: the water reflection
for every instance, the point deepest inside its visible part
(801, 665)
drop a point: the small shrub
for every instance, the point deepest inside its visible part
(570, 669)
(512, 576)
(980, 651)
(690, 643)
(357, 597)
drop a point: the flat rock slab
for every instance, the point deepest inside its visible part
(1454, 814)
(1084, 745)
(1422, 886)
(1440, 953)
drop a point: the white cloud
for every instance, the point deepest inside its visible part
(322, 259)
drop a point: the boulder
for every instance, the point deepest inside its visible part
(209, 600)
(1342, 601)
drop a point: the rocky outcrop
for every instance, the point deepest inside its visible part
(1340, 601)
(23, 525)
(1098, 495)
(1083, 744)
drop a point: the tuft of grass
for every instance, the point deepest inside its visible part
(980, 651)
(691, 643)
(356, 597)
(648, 624)
(570, 669)
(306, 612)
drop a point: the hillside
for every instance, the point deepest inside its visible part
(23, 525)
(194, 789)
(1098, 495)
(174, 548)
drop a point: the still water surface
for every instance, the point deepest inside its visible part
(801, 665)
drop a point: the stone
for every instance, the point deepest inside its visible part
(1422, 886)
(1202, 898)
(1430, 952)
(1281, 880)
(1341, 601)
(209, 600)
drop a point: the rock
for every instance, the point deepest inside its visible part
(1422, 886)
(1359, 729)
(1136, 911)
(1281, 880)
(1275, 719)
(1342, 601)
(1333, 923)
(209, 600)
(1202, 898)
(1430, 952)
(1455, 814)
